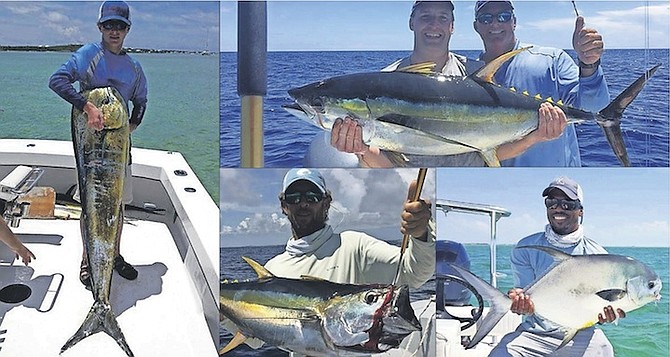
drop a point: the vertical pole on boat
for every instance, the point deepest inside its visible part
(251, 78)
(492, 250)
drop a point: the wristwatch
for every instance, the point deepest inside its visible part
(589, 66)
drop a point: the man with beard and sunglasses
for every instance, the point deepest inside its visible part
(549, 72)
(98, 65)
(314, 249)
(535, 336)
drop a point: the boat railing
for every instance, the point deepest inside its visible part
(494, 212)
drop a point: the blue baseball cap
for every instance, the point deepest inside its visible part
(114, 10)
(569, 186)
(310, 175)
(480, 4)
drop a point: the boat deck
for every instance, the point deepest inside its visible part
(170, 235)
(159, 312)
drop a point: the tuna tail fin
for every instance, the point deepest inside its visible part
(500, 304)
(609, 118)
(99, 318)
(237, 340)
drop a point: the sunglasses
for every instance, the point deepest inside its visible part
(309, 196)
(115, 25)
(487, 18)
(566, 205)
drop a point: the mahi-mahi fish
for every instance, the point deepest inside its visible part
(316, 317)
(573, 291)
(415, 111)
(101, 158)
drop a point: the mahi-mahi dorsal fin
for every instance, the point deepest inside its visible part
(486, 73)
(259, 269)
(555, 253)
(419, 68)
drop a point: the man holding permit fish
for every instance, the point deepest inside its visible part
(98, 65)
(536, 336)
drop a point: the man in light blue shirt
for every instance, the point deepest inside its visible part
(549, 72)
(99, 65)
(536, 336)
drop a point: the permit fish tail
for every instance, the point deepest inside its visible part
(500, 304)
(609, 119)
(99, 319)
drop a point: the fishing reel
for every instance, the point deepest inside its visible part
(475, 312)
(16, 184)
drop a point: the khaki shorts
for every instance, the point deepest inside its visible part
(127, 188)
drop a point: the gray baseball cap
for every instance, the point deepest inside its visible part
(569, 186)
(114, 10)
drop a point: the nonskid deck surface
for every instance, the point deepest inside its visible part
(159, 313)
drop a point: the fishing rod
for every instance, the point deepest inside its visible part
(574, 6)
(405, 239)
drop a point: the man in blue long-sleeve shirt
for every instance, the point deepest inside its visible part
(535, 336)
(106, 64)
(549, 72)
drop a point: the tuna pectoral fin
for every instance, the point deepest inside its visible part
(490, 157)
(612, 294)
(609, 118)
(237, 340)
(500, 304)
(99, 318)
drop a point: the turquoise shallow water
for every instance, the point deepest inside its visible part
(642, 333)
(182, 111)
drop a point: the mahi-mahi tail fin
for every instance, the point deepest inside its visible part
(500, 304)
(609, 118)
(237, 340)
(99, 319)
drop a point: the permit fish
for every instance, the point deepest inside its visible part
(317, 317)
(101, 158)
(573, 291)
(416, 111)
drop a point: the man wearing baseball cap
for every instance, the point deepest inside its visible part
(98, 65)
(432, 23)
(535, 336)
(549, 72)
(314, 249)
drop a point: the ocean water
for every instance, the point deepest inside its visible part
(286, 138)
(642, 333)
(181, 110)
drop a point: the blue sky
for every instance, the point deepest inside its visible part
(383, 25)
(366, 200)
(160, 25)
(622, 207)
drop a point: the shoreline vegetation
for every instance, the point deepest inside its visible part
(73, 47)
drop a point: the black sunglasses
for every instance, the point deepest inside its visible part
(487, 18)
(310, 197)
(114, 25)
(566, 205)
